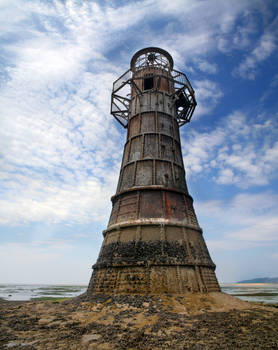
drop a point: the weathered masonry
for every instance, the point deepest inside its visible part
(153, 243)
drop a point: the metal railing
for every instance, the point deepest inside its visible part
(183, 92)
(120, 82)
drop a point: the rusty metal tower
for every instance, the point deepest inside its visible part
(153, 243)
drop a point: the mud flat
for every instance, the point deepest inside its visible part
(196, 321)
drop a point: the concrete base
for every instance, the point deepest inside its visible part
(153, 259)
(153, 280)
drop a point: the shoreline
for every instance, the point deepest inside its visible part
(267, 293)
(62, 299)
(236, 295)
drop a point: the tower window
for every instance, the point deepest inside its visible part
(148, 83)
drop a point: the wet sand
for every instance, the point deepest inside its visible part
(197, 321)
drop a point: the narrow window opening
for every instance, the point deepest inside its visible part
(162, 150)
(148, 83)
(166, 179)
(158, 82)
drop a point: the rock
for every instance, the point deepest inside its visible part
(90, 337)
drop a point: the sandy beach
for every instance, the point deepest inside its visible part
(197, 321)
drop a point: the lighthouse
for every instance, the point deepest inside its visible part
(153, 243)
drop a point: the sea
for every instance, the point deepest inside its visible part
(256, 292)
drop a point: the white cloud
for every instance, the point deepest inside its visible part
(198, 155)
(247, 220)
(207, 67)
(42, 201)
(264, 48)
(208, 94)
(271, 91)
(241, 234)
(266, 230)
(57, 139)
(226, 176)
(242, 152)
(224, 26)
(230, 244)
(237, 28)
(56, 149)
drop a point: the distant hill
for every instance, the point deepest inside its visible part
(261, 280)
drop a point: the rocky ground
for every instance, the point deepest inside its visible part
(197, 321)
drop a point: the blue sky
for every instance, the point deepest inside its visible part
(60, 149)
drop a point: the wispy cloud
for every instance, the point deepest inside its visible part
(57, 139)
(207, 67)
(242, 152)
(208, 94)
(52, 202)
(247, 220)
(266, 45)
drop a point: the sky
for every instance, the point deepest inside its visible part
(60, 149)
